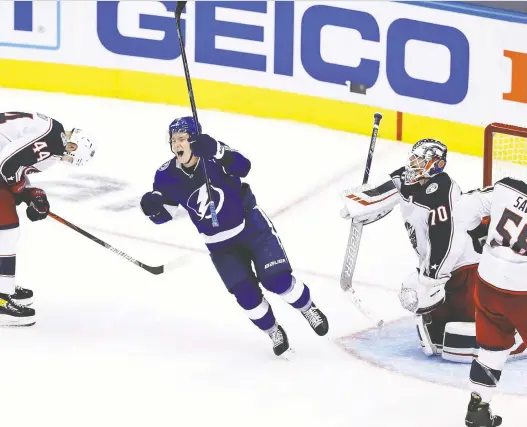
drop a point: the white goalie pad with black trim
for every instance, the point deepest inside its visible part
(368, 203)
(460, 345)
(459, 342)
(427, 346)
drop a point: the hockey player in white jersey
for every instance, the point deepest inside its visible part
(501, 291)
(30, 142)
(440, 292)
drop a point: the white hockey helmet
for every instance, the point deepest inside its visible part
(86, 147)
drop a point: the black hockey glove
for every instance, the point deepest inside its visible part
(152, 206)
(37, 204)
(479, 236)
(203, 146)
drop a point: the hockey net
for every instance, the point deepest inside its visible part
(505, 153)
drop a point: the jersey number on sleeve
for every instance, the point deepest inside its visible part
(5, 117)
(520, 246)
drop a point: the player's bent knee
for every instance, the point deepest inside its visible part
(291, 289)
(248, 294)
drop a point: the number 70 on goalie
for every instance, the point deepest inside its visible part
(439, 214)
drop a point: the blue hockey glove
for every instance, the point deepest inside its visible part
(152, 207)
(203, 145)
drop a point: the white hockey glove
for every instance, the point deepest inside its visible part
(421, 294)
(365, 208)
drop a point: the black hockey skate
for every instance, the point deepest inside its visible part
(22, 296)
(479, 414)
(317, 320)
(13, 314)
(280, 341)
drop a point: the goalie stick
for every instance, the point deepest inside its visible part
(355, 234)
(179, 9)
(151, 269)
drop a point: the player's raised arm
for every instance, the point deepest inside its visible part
(232, 161)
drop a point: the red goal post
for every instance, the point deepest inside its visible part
(505, 153)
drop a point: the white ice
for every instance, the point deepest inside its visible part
(116, 346)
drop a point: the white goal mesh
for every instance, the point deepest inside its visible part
(505, 153)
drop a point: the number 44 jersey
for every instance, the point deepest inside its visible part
(29, 142)
(503, 263)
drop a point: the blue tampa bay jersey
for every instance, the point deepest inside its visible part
(186, 188)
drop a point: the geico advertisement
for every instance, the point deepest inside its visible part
(320, 43)
(413, 59)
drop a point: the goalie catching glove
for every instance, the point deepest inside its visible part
(368, 203)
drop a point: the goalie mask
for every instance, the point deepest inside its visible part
(427, 158)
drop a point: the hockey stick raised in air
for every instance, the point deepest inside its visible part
(355, 234)
(179, 9)
(154, 270)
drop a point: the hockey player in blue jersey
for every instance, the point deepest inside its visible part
(244, 235)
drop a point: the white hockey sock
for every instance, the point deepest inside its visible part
(8, 245)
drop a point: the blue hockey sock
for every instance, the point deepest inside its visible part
(250, 298)
(293, 291)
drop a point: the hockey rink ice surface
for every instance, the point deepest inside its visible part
(116, 346)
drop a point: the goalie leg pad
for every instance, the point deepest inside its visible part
(422, 323)
(519, 349)
(459, 342)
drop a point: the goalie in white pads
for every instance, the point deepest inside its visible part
(440, 292)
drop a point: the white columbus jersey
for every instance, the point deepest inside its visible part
(427, 214)
(29, 142)
(504, 260)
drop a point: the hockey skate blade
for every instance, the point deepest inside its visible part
(288, 355)
(17, 325)
(17, 322)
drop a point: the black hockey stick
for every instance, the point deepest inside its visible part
(154, 270)
(179, 9)
(355, 234)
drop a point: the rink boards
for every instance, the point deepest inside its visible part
(430, 72)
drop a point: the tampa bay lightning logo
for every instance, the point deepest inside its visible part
(199, 201)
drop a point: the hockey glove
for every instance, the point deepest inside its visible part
(479, 235)
(365, 207)
(153, 207)
(205, 146)
(37, 204)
